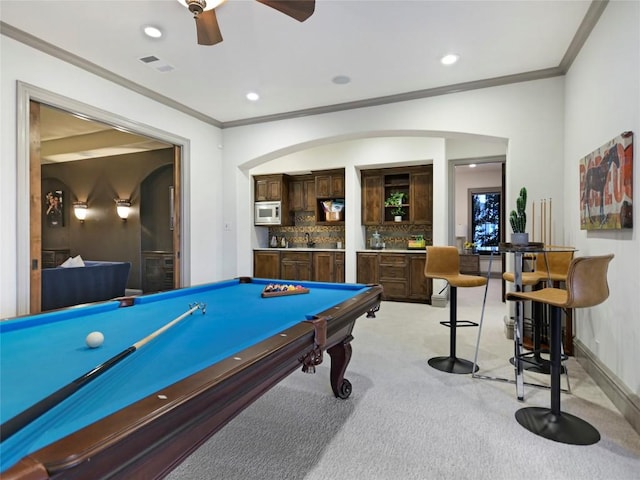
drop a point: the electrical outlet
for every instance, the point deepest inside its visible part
(227, 227)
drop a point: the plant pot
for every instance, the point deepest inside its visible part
(397, 218)
(520, 238)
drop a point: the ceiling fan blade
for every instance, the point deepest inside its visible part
(298, 9)
(207, 28)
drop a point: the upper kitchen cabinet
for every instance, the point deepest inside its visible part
(372, 201)
(330, 184)
(271, 188)
(397, 195)
(329, 203)
(302, 193)
(421, 195)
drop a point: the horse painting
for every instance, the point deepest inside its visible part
(596, 180)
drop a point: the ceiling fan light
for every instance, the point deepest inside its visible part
(199, 6)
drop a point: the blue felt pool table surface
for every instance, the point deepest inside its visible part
(39, 354)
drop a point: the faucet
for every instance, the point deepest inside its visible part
(310, 244)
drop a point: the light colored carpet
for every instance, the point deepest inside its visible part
(406, 420)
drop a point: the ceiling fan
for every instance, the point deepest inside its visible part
(207, 23)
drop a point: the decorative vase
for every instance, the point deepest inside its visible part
(520, 238)
(397, 218)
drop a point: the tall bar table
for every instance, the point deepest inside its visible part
(518, 251)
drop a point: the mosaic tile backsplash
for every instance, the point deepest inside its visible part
(323, 236)
(328, 236)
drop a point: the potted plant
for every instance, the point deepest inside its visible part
(395, 200)
(518, 220)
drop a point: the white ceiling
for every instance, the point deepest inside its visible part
(387, 48)
(65, 137)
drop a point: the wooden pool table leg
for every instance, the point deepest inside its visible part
(340, 356)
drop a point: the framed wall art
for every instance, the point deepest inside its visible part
(606, 186)
(54, 208)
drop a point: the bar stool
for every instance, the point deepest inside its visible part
(586, 286)
(444, 263)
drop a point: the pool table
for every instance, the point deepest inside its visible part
(143, 416)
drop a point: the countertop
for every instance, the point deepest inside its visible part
(281, 249)
(392, 250)
(386, 250)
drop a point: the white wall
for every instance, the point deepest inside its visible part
(527, 116)
(21, 63)
(602, 101)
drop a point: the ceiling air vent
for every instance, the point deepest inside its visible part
(156, 63)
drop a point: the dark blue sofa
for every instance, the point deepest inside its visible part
(95, 282)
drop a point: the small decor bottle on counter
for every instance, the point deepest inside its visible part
(283, 242)
(274, 241)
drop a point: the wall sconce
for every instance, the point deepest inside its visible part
(80, 210)
(123, 207)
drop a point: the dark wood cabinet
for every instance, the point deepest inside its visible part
(400, 274)
(339, 267)
(295, 266)
(271, 188)
(419, 285)
(54, 257)
(309, 195)
(470, 263)
(330, 184)
(416, 185)
(302, 194)
(295, 195)
(367, 268)
(157, 271)
(266, 264)
(421, 197)
(328, 267)
(322, 266)
(393, 275)
(372, 200)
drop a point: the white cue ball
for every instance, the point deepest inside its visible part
(94, 339)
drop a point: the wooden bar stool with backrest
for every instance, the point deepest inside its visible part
(586, 286)
(549, 267)
(444, 263)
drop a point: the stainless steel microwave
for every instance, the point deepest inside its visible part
(268, 213)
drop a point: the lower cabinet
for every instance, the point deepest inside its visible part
(323, 266)
(295, 266)
(266, 264)
(328, 267)
(400, 274)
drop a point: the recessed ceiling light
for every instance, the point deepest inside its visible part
(341, 80)
(449, 59)
(472, 165)
(153, 32)
(253, 96)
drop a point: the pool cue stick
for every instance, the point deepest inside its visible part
(533, 220)
(17, 423)
(544, 220)
(550, 222)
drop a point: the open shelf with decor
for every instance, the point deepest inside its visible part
(396, 194)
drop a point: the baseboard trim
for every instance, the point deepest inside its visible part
(624, 399)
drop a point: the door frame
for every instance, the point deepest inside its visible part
(452, 164)
(25, 203)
